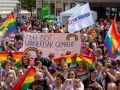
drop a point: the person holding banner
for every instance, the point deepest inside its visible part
(44, 61)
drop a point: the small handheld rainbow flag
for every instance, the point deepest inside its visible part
(24, 82)
(59, 69)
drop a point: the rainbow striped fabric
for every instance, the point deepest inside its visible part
(112, 40)
(16, 55)
(8, 27)
(24, 82)
(89, 60)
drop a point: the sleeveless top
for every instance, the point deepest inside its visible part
(5, 86)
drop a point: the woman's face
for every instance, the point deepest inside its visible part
(58, 80)
(71, 75)
(39, 65)
(9, 79)
(107, 63)
(25, 60)
(7, 66)
(65, 67)
(55, 74)
(20, 73)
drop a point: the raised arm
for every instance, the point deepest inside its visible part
(50, 78)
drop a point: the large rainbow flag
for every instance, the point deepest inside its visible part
(89, 60)
(112, 40)
(8, 27)
(24, 82)
(16, 55)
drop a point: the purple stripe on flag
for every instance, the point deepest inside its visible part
(109, 51)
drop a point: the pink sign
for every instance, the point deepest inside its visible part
(56, 43)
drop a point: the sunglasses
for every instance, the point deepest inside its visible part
(71, 74)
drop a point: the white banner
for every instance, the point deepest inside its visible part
(82, 18)
(56, 43)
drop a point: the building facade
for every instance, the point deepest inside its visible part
(57, 6)
(104, 8)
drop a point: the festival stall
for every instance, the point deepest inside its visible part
(65, 15)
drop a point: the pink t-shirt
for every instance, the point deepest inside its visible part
(25, 27)
(31, 61)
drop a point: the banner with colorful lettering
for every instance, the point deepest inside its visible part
(82, 18)
(56, 43)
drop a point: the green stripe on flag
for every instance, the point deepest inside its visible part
(25, 86)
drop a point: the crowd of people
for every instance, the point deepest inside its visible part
(105, 75)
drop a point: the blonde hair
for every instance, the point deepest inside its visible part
(112, 85)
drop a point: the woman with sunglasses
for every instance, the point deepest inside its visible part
(69, 84)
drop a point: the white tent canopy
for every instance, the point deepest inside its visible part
(71, 11)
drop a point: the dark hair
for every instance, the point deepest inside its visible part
(93, 87)
(52, 71)
(37, 63)
(39, 51)
(117, 82)
(68, 52)
(39, 83)
(92, 70)
(61, 77)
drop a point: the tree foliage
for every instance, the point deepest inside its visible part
(28, 4)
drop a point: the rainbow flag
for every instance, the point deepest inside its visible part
(24, 82)
(88, 59)
(59, 69)
(83, 76)
(16, 55)
(112, 40)
(8, 27)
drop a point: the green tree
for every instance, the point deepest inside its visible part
(28, 5)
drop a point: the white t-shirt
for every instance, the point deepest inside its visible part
(53, 88)
(45, 30)
(85, 36)
(71, 87)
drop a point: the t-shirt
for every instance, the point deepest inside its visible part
(70, 86)
(45, 30)
(5, 86)
(53, 88)
(45, 86)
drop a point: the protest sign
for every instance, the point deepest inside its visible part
(56, 43)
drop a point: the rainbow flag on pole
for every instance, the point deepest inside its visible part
(112, 40)
(8, 27)
(24, 82)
